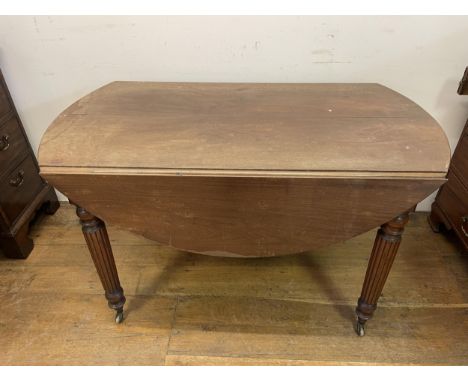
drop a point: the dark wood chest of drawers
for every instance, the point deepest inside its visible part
(450, 208)
(22, 191)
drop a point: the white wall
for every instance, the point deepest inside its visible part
(49, 62)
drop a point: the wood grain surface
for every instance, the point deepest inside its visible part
(186, 309)
(232, 127)
(236, 216)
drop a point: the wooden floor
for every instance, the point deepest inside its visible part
(191, 309)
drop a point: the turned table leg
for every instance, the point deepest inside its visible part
(385, 249)
(95, 233)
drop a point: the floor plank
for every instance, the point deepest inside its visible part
(254, 328)
(187, 309)
(71, 329)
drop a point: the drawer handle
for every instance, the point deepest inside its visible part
(18, 181)
(4, 144)
(464, 221)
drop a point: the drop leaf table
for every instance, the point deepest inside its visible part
(244, 169)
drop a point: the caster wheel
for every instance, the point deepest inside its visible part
(119, 317)
(360, 329)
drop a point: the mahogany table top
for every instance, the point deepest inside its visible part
(246, 128)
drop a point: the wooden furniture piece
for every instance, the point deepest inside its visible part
(463, 85)
(450, 208)
(22, 191)
(245, 169)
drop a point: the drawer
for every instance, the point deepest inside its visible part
(13, 145)
(453, 199)
(19, 187)
(5, 106)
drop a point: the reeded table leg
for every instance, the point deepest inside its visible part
(95, 233)
(385, 248)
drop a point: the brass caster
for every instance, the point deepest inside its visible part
(119, 317)
(359, 329)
